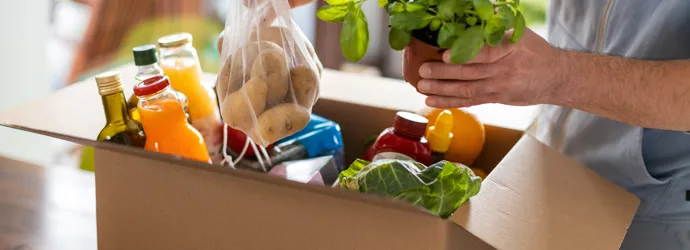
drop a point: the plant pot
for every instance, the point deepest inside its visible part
(415, 54)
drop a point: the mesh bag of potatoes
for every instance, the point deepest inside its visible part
(269, 76)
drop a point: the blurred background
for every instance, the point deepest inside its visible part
(48, 44)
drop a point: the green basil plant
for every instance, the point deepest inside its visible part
(463, 26)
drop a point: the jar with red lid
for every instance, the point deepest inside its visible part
(404, 141)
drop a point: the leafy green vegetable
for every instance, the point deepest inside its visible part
(494, 31)
(338, 2)
(383, 3)
(332, 13)
(467, 45)
(519, 29)
(463, 26)
(354, 36)
(414, 6)
(410, 20)
(398, 38)
(440, 188)
(396, 7)
(484, 8)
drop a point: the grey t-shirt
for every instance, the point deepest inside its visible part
(652, 164)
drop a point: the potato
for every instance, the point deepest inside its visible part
(272, 68)
(281, 121)
(237, 67)
(238, 106)
(275, 34)
(220, 42)
(312, 53)
(305, 85)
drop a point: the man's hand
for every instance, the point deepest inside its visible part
(525, 73)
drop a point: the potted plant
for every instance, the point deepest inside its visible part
(426, 28)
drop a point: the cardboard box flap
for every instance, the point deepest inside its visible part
(537, 198)
(238, 173)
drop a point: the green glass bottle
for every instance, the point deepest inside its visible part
(120, 127)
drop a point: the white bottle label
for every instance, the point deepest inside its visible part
(391, 156)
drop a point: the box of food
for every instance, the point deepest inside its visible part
(534, 197)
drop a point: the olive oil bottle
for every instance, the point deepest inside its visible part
(120, 127)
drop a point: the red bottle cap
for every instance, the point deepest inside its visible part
(151, 85)
(410, 124)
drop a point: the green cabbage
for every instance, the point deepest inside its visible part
(440, 188)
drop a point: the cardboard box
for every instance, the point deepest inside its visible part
(535, 198)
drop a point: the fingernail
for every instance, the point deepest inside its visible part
(424, 86)
(425, 71)
(431, 102)
(446, 57)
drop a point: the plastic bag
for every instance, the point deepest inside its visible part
(270, 74)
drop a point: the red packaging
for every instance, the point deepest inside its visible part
(405, 140)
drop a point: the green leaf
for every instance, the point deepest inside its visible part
(396, 7)
(414, 6)
(339, 2)
(471, 20)
(432, 2)
(445, 37)
(354, 35)
(519, 29)
(383, 3)
(346, 179)
(467, 45)
(456, 28)
(410, 20)
(390, 177)
(435, 24)
(447, 9)
(494, 31)
(454, 185)
(484, 8)
(398, 38)
(507, 16)
(332, 13)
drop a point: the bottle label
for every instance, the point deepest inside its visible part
(391, 156)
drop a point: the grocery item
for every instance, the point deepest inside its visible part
(146, 60)
(180, 63)
(119, 126)
(440, 135)
(468, 135)
(320, 137)
(440, 188)
(165, 123)
(269, 76)
(404, 141)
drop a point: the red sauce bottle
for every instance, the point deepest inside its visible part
(405, 140)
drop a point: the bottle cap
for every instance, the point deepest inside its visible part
(439, 135)
(145, 55)
(175, 40)
(410, 124)
(109, 83)
(151, 85)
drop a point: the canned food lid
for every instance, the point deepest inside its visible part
(175, 40)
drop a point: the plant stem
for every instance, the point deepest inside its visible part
(501, 4)
(432, 11)
(471, 12)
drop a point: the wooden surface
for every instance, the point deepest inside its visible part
(46, 208)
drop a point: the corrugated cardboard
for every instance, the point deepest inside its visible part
(535, 198)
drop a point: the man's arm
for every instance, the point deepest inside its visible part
(654, 94)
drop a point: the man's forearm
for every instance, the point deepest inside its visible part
(653, 94)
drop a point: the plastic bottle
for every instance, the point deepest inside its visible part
(440, 135)
(404, 141)
(165, 123)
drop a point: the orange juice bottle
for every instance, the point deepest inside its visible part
(180, 63)
(164, 121)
